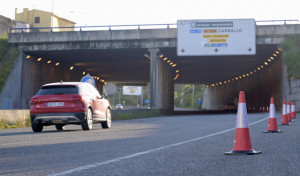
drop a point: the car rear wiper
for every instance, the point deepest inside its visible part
(58, 93)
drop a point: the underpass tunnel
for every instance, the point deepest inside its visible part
(260, 76)
(122, 66)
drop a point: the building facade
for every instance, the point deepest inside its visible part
(39, 19)
(7, 23)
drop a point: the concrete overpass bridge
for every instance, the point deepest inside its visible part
(149, 56)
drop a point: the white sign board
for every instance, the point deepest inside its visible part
(132, 90)
(216, 37)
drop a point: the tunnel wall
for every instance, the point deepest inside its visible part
(258, 89)
(161, 83)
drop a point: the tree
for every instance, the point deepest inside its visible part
(291, 56)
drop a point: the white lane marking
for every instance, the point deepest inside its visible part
(79, 169)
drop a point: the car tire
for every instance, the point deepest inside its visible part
(88, 122)
(60, 127)
(107, 123)
(36, 127)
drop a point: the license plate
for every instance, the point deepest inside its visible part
(54, 104)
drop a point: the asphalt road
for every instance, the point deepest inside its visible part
(170, 145)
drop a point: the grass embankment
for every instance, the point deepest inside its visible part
(8, 56)
(19, 124)
(116, 115)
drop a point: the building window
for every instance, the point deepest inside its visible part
(37, 19)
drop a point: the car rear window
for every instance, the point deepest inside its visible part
(55, 90)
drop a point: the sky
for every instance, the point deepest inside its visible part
(131, 12)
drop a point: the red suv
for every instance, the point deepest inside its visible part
(65, 103)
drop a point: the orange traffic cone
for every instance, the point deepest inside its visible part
(284, 118)
(293, 109)
(288, 112)
(242, 142)
(272, 126)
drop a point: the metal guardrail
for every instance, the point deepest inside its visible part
(118, 27)
(105, 27)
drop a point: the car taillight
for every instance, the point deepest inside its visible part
(34, 101)
(78, 99)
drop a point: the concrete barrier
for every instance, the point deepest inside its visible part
(14, 116)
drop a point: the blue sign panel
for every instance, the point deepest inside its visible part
(88, 79)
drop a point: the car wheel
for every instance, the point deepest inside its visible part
(88, 122)
(107, 123)
(60, 127)
(36, 127)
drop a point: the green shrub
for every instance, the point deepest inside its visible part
(291, 56)
(18, 124)
(3, 47)
(6, 65)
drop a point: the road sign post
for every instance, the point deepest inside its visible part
(216, 37)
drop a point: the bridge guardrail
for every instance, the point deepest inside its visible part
(87, 28)
(119, 27)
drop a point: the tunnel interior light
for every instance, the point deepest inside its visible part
(279, 49)
(49, 61)
(236, 78)
(258, 68)
(169, 61)
(57, 64)
(277, 52)
(28, 57)
(247, 74)
(266, 63)
(71, 68)
(272, 58)
(39, 59)
(83, 73)
(161, 56)
(269, 60)
(262, 66)
(165, 58)
(274, 55)
(177, 71)
(251, 73)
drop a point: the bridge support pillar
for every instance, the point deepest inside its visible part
(161, 83)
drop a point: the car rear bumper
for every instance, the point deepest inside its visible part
(58, 118)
